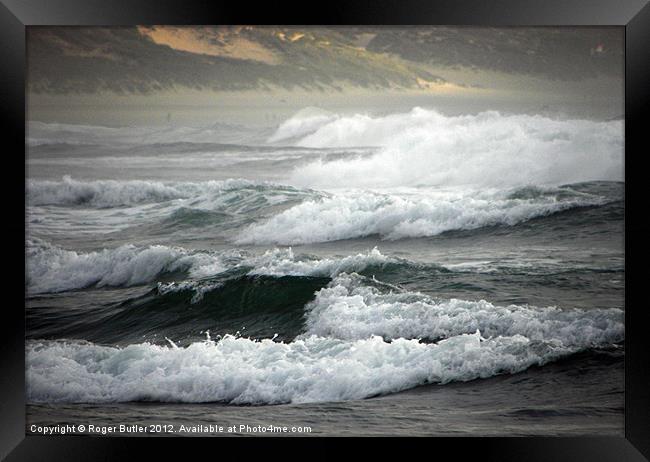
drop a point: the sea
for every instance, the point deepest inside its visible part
(348, 274)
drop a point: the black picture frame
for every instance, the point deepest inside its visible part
(633, 15)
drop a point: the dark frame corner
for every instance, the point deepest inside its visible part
(634, 15)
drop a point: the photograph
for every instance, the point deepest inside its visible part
(284, 230)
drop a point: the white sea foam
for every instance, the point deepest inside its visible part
(304, 122)
(199, 288)
(349, 309)
(106, 206)
(340, 356)
(52, 269)
(344, 352)
(275, 262)
(240, 370)
(396, 216)
(424, 147)
(282, 262)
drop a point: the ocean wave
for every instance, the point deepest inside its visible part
(397, 216)
(268, 213)
(199, 289)
(425, 147)
(53, 269)
(350, 309)
(40, 133)
(116, 193)
(243, 371)
(278, 263)
(304, 122)
(283, 262)
(355, 337)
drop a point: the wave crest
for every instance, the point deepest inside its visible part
(52, 269)
(350, 309)
(425, 147)
(392, 216)
(115, 193)
(244, 371)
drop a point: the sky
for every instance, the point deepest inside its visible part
(260, 75)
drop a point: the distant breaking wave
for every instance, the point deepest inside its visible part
(418, 214)
(424, 147)
(284, 326)
(268, 213)
(114, 193)
(53, 269)
(304, 122)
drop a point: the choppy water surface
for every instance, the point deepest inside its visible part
(455, 275)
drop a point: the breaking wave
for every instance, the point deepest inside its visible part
(343, 335)
(304, 122)
(114, 193)
(267, 213)
(239, 370)
(419, 214)
(425, 147)
(350, 309)
(288, 327)
(53, 269)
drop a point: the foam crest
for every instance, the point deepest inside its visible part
(198, 287)
(282, 262)
(397, 216)
(424, 147)
(52, 269)
(243, 371)
(349, 309)
(305, 122)
(277, 263)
